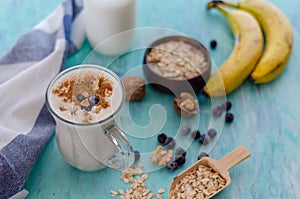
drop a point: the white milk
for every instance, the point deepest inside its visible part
(93, 145)
(105, 18)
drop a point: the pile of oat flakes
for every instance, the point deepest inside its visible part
(177, 60)
(138, 190)
(200, 184)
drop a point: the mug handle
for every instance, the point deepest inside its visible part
(124, 158)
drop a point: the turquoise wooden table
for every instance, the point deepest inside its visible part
(267, 117)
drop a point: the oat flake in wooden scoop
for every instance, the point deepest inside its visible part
(206, 177)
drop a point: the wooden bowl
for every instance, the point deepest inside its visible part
(175, 86)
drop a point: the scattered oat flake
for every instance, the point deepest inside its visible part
(140, 165)
(114, 193)
(138, 189)
(161, 190)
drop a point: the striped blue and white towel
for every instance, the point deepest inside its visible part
(26, 70)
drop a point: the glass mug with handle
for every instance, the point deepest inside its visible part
(84, 101)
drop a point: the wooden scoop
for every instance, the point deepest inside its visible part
(220, 166)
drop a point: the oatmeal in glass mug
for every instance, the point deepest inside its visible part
(84, 101)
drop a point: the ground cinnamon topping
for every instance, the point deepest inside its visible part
(64, 90)
(103, 103)
(105, 87)
(80, 89)
(69, 89)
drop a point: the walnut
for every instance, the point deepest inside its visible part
(63, 108)
(73, 111)
(85, 102)
(107, 92)
(135, 88)
(161, 157)
(186, 105)
(96, 109)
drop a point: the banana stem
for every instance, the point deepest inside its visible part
(216, 3)
(213, 4)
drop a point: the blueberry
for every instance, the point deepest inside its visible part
(229, 117)
(217, 111)
(170, 142)
(86, 108)
(201, 155)
(186, 129)
(161, 138)
(196, 134)
(93, 100)
(226, 105)
(80, 98)
(180, 152)
(172, 166)
(137, 156)
(213, 44)
(204, 139)
(180, 160)
(212, 133)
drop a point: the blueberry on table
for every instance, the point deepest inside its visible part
(180, 160)
(80, 98)
(213, 44)
(172, 166)
(204, 139)
(196, 134)
(186, 129)
(229, 117)
(180, 152)
(93, 100)
(170, 142)
(226, 105)
(201, 155)
(217, 111)
(212, 133)
(161, 138)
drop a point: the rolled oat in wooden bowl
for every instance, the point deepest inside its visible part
(176, 64)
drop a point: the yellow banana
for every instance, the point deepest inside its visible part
(279, 38)
(243, 58)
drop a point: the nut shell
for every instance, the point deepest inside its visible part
(185, 105)
(135, 88)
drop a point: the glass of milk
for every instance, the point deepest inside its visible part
(84, 101)
(107, 23)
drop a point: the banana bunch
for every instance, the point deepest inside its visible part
(243, 58)
(264, 66)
